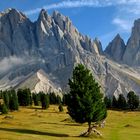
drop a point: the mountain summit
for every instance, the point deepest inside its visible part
(53, 45)
(132, 53)
(116, 49)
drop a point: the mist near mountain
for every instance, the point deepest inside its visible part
(52, 46)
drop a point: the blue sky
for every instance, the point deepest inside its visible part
(95, 18)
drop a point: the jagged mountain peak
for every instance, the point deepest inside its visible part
(97, 44)
(54, 45)
(57, 14)
(118, 37)
(43, 15)
(62, 21)
(137, 22)
(13, 13)
(116, 48)
(132, 53)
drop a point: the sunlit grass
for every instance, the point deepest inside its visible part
(37, 124)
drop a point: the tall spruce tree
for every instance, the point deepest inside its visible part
(107, 101)
(3, 109)
(24, 97)
(35, 98)
(58, 99)
(122, 102)
(6, 99)
(114, 102)
(53, 99)
(86, 101)
(44, 100)
(13, 101)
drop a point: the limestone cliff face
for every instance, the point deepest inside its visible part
(55, 46)
(16, 34)
(132, 53)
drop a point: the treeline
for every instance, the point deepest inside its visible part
(10, 100)
(131, 102)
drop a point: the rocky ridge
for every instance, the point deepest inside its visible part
(53, 45)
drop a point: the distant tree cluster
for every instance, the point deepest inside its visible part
(10, 100)
(131, 102)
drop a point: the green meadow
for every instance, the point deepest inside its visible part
(36, 124)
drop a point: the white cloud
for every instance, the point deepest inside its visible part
(126, 14)
(83, 3)
(67, 4)
(8, 62)
(127, 10)
(125, 25)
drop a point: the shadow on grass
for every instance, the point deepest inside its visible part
(69, 124)
(27, 131)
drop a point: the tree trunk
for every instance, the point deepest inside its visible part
(90, 130)
(89, 127)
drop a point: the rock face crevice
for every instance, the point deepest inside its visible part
(53, 45)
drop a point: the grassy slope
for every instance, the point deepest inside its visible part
(29, 124)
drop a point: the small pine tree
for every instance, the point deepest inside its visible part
(13, 102)
(35, 98)
(122, 102)
(114, 102)
(24, 97)
(44, 101)
(65, 99)
(60, 107)
(3, 108)
(133, 100)
(86, 101)
(6, 98)
(58, 99)
(52, 97)
(107, 101)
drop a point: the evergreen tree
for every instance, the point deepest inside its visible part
(44, 100)
(35, 98)
(133, 100)
(65, 99)
(24, 97)
(60, 107)
(5, 95)
(114, 102)
(3, 108)
(13, 102)
(58, 100)
(122, 102)
(107, 101)
(86, 101)
(52, 97)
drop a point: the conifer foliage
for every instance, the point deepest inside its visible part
(85, 101)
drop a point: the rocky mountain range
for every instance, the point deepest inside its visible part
(41, 55)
